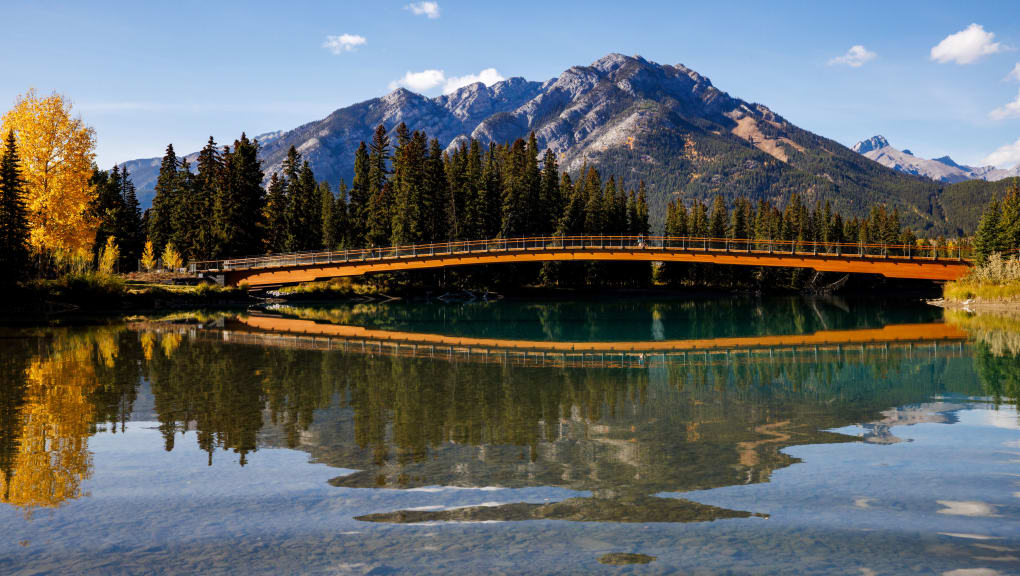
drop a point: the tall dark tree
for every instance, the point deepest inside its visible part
(240, 201)
(358, 209)
(164, 203)
(381, 194)
(14, 231)
(130, 233)
(275, 215)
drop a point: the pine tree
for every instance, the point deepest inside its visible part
(14, 229)
(552, 201)
(989, 232)
(327, 206)
(164, 203)
(240, 201)
(380, 192)
(358, 211)
(275, 216)
(130, 232)
(108, 206)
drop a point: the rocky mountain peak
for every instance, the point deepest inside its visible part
(871, 144)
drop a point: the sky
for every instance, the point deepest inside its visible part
(935, 77)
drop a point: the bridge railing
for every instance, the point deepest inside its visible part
(600, 243)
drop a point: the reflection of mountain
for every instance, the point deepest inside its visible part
(408, 422)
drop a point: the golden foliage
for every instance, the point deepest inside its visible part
(108, 259)
(148, 256)
(172, 258)
(53, 458)
(57, 151)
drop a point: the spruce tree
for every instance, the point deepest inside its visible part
(989, 232)
(14, 231)
(275, 216)
(108, 206)
(164, 202)
(130, 234)
(240, 201)
(358, 213)
(327, 206)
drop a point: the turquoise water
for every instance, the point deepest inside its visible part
(197, 444)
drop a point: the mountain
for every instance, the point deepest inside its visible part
(665, 124)
(942, 169)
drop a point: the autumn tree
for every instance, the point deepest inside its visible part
(57, 151)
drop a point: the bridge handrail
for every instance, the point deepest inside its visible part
(601, 242)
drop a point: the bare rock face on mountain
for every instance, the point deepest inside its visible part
(942, 169)
(664, 124)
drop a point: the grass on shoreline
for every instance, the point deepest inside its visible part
(996, 279)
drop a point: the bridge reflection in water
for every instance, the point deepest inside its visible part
(890, 260)
(281, 331)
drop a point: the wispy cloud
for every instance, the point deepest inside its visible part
(1015, 73)
(428, 9)
(1010, 110)
(343, 43)
(427, 80)
(966, 46)
(1005, 156)
(855, 57)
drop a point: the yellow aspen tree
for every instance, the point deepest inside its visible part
(108, 259)
(57, 152)
(172, 260)
(148, 256)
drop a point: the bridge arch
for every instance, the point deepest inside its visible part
(890, 260)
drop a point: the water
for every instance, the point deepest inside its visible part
(707, 436)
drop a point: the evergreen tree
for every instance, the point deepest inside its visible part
(327, 204)
(164, 203)
(240, 201)
(108, 206)
(381, 197)
(989, 233)
(358, 210)
(130, 233)
(551, 203)
(14, 231)
(275, 215)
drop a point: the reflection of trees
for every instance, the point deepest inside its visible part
(52, 401)
(997, 352)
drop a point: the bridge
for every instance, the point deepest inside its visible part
(890, 260)
(929, 339)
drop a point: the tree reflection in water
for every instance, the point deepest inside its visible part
(624, 435)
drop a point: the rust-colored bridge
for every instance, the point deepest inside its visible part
(281, 331)
(890, 260)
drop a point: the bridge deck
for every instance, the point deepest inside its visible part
(263, 330)
(891, 260)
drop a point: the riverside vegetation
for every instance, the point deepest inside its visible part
(403, 191)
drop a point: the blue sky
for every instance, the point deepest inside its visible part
(148, 73)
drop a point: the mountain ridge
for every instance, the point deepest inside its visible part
(665, 124)
(942, 169)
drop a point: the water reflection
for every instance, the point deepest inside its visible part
(625, 436)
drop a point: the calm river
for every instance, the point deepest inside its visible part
(702, 436)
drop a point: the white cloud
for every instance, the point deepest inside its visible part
(966, 46)
(428, 79)
(855, 57)
(420, 81)
(489, 76)
(1015, 73)
(343, 43)
(1010, 110)
(428, 9)
(1006, 156)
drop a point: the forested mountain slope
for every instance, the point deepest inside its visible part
(664, 124)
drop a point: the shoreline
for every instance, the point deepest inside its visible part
(1008, 306)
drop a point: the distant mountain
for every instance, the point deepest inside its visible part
(942, 169)
(664, 124)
